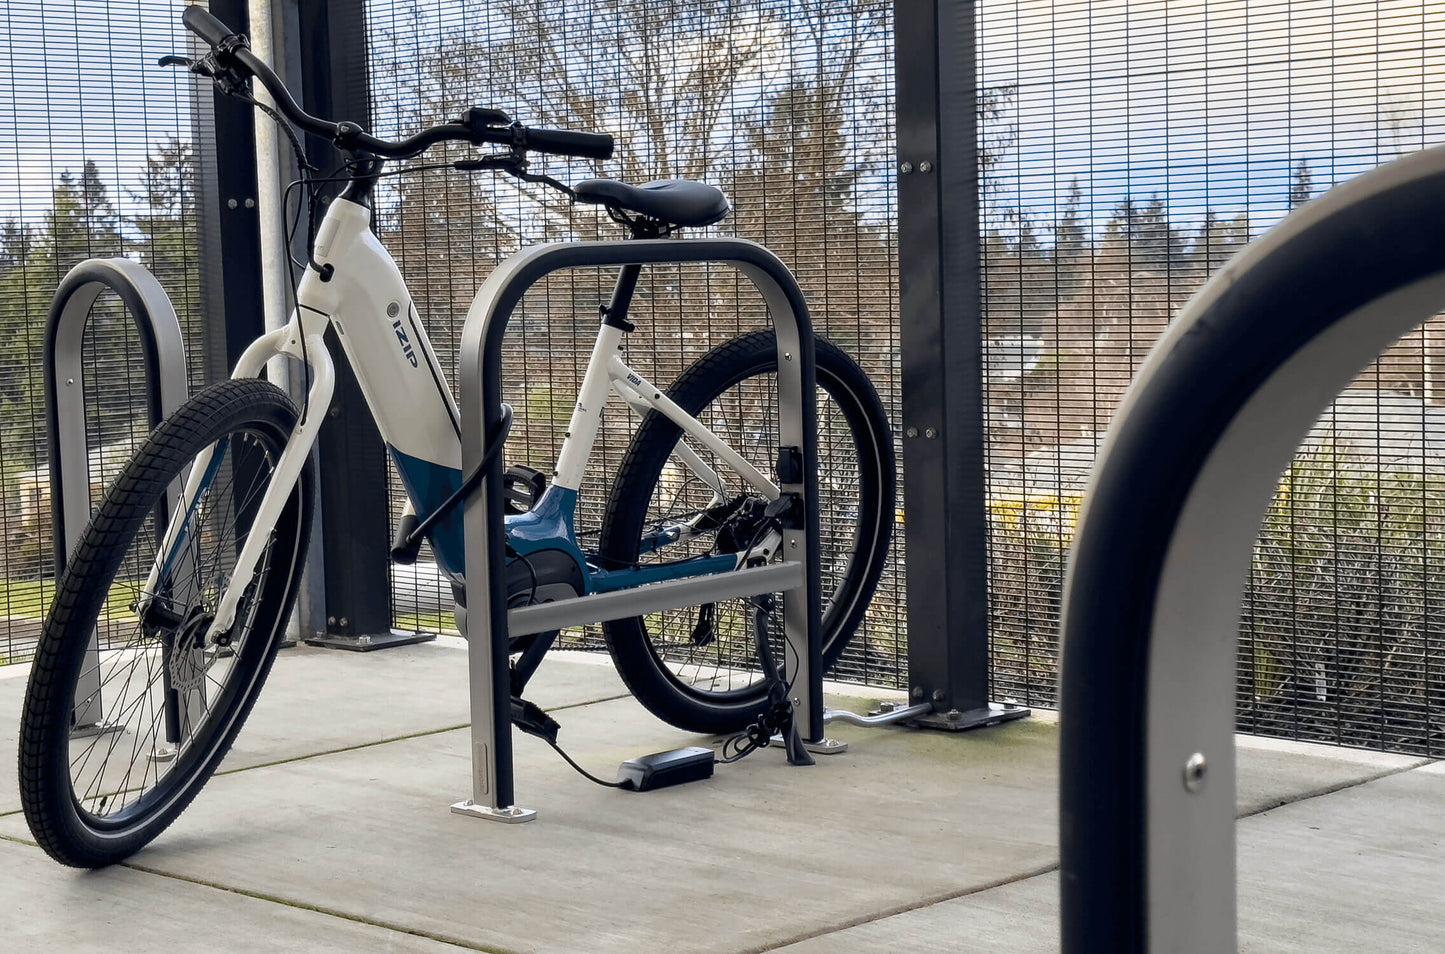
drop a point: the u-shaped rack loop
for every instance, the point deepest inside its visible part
(1163, 549)
(165, 368)
(483, 520)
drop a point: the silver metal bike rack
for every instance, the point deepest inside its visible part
(1163, 549)
(491, 624)
(165, 366)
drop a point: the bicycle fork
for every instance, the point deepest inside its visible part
(281, 342)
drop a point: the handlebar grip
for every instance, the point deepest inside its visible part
(565, 142)
(200, 22)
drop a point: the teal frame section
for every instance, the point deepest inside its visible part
(549, 525)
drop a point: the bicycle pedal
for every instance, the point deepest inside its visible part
(662, 769)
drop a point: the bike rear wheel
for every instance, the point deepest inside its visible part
(698, 668)
(120, 733)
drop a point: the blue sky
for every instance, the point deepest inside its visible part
(79, 81)
(1209, 105)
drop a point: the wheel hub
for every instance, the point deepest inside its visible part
(186, 658)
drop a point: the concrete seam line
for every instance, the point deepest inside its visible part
(1337, 787)
(299, 905)
(329, 912)
(387, 741)
(1048, 869)
(902, 909)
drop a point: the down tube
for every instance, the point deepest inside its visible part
(403, 384)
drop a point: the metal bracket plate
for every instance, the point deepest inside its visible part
(820, 747)
(95, 728)
(511, 815)
(955, 720)
(365, 644)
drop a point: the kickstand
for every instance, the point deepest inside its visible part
(793, 745)
(780, 713)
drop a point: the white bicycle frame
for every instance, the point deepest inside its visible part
(356, 287)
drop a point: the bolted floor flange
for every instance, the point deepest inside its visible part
(956, 720)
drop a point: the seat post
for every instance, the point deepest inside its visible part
(615, 313)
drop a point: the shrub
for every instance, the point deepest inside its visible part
(1335, 629)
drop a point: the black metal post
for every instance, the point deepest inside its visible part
(354, 532)
(942, 340)
(228, 219)
(229, 231)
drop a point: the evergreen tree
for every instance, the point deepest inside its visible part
(1301, 186)
(16, 240)
(167, 194)
(81, 223)
(1142, 237)
(1216, 242)
(1071, 246)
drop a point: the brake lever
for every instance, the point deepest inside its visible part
(513, 164)
(519, 171)
(228, 79)
(176, 60)
(505, 161)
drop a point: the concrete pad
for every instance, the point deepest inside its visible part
(49, 908)
(761, 854)
(751, 857)
(319, 700)
(1273, 772)
(1021, 918)
(12, 700)
(1356, 870)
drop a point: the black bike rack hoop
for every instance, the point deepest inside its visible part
(1163, 549)
(489, 622)
(166, 390)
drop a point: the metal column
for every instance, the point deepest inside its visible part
(942, 338)
(354, 531)
(228, 224)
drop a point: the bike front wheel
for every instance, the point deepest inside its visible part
(698, 668)
(128, 710)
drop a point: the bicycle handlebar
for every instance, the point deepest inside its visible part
(566, 142)
(231, 51)
(200, 22)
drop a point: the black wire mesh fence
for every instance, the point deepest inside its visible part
(95, 161)
(1127, 151)
(1130, 150)
(785, 104)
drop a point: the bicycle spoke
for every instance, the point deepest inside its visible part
(128, 674)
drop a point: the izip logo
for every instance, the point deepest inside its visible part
(405, 342)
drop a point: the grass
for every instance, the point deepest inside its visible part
(30, 599)
(426, 622)
(26, 598)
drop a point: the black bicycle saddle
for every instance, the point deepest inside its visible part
(674, 201)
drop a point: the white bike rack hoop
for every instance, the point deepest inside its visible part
(166, 390)
(490, 623)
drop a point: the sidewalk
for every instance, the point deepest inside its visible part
(329, 830)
